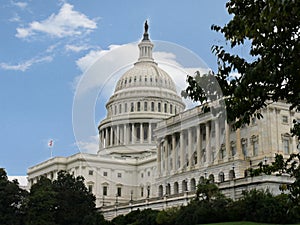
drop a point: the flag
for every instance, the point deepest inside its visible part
(50, 143)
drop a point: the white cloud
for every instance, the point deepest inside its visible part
(89, 146)
(22, 180)
(65, 23)
(21, 5)
(76, 48)
(25, 65)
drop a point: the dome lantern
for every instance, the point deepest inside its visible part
(145, 47)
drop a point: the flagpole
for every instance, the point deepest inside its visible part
(50, 146)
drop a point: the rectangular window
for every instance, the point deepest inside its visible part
(91, 172)
(119, 191)
(159, 107)
(145, 106)
(233, 150)
(152, 106)
(120, 108)
(171, 109)
(105, 190)
(286, 146)
(131, 107)
(119, 175)
(255, 148)
(90, 188)
(105, 174)
(125, 107)
(142, 191)
(244, 149)
(166, 107)
(284, 119)
(138, 106)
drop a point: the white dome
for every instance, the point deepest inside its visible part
(143, 96)
(145, 74)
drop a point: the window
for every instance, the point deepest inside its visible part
(142, 175)
(158, 107)
(91, 172)
(115, 109)
(171, 109)
(166, 107)
(253, 120)
(244, 147)
(233, 149)
(90, 188)
(119, 192)
(105, 174)
(119, 175)
(148, 173)
(138, 106)
(285, 119)
(254, 140)
(286, 146)
(125, 107)
(142, 191)
(120, 108)
(131, 107)
(104, 190)
(152, 106)
(223, 152)
(145, 106)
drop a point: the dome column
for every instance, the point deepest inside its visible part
(141, 133)
(149, 133)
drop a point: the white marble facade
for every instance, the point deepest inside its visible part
(150, 147)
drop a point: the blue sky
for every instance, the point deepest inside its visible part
(46, 46)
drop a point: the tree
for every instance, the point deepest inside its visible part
(74, 201)
(12, 198)
(271, 70)
(42, 203)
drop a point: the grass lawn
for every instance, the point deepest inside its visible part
(244, 223)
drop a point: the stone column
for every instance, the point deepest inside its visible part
(111, 136)
(190, 154)
(239, 144)
(106, 137)
(141, 133)
(166, 156)
(199, 145)
(182, 153)
(217, 138)
(159, 159)
(174, 157)
(207, 142)
(118, 135)
(132, 133)
(125, 134)
(149, 133)
(227, 140)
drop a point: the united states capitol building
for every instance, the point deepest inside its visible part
(153, 152)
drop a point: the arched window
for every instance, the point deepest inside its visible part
(193, 184)
(211, 178)
(131, 107)
(159, 107)
(160, 191)
(184, 186)
(138, 106)
(176, 188)
(221, 177)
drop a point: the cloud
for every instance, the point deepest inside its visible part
(65, 23)
(91, 145)
(21, 5)
(76, 48)
(25, 65)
